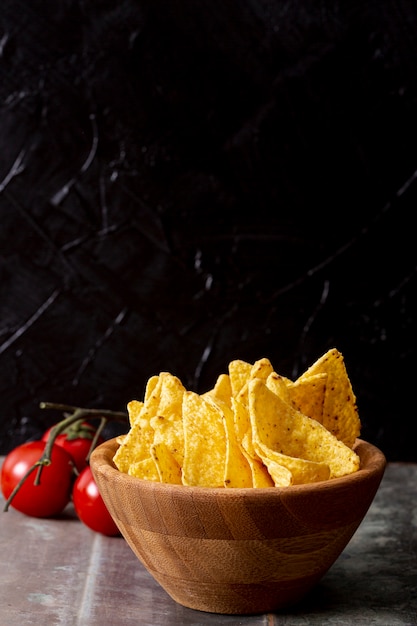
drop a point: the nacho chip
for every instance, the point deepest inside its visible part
(243, 428)
(222, 390)
(136, 444)
(145, 469)
(204, 442)
(150, 386)
(239, 372)
(307, 395)
(261, 478)
(279, 385)
(170, 399)
(282, 428)
(301, 470)
(281, 475)
(261, 369)
(169, 470)
(167, 422)
(134, 408)
(170, 432)
(340, 413)
(163, 397)
(237, 471)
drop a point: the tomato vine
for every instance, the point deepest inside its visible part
(72, 415)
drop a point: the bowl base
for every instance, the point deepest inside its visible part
(237, 599)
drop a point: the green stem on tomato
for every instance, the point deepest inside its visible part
(39, 465)
(77, 414)
(96, 437)
(112, 415)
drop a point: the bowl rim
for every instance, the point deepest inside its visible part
(375, 467)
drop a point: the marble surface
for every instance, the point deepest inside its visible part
(182, 184)
(59, 572)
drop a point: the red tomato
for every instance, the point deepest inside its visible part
(89, 505)
(53, 493)
(76, 440)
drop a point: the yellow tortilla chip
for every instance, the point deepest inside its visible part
(171, 394)
(134, 408)
(204, 442)
(136, 444)
(169, 470)
(239, 372)
(163, 397)
(243, 428)
(237, 471)
(279, 385)
(145, 469)
(281, 475)
(307, 395)
(222, 390)
(301, 470)
(340, 413)
(171, 433)
(167, 422)
(261, 478)
(261, 369)
(150, 386)
(282, 428)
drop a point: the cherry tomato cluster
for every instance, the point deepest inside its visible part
(44, 489)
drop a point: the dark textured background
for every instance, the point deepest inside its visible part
(184, 183)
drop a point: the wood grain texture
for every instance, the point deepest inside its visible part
(59, 572)
(238, 551)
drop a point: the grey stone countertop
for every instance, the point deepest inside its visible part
(57, 571)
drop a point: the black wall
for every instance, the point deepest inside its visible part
(184, 183)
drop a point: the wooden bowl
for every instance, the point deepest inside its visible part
(238, 551)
